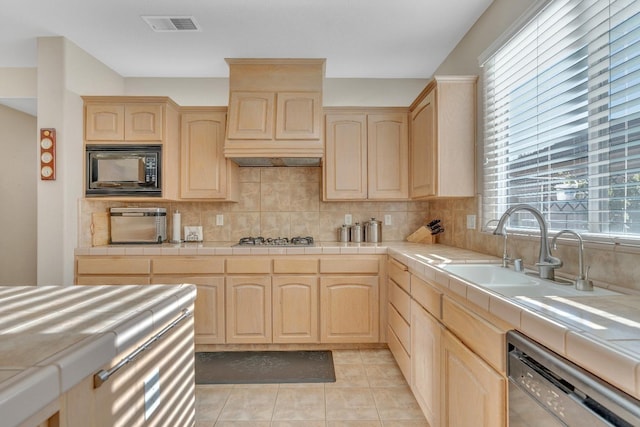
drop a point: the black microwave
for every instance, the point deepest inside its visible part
(124, 170)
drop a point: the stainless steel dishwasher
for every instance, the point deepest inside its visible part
(548, 390)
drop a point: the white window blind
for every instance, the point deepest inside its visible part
(562, 119)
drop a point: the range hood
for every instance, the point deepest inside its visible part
(274, 116)
(277, 161)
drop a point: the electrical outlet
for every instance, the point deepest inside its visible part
(348, 220)
(387, 220)
(471, 222)
(219, 219)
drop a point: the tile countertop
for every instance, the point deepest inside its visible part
(601, 334)
(52, 337)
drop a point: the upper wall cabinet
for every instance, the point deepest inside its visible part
(275, 108)
(442, 148)
(130, 122)
(366, 154)
(204, 171)
(137, 120)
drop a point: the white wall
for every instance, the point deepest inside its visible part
(64, 73)
(337, 92)
(18, 141)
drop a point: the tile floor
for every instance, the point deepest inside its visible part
(369, 391)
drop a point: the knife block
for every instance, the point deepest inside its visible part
(422, 235)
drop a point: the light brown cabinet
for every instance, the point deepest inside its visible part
(248, 309)
(366, 155)
(262, 299)
(115, 120)
(470, 383)
(349, 309)
(275, 108)
(425, 362)
(123, 399)
(456, 356)
(274, 116)
(204, 171)
(124, 122)
(295, 309)
(442, 143)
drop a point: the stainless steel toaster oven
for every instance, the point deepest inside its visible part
(138, 225)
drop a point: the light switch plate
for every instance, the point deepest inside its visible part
(219, 219)
(193, 233)
(348, 220)
(387, 220)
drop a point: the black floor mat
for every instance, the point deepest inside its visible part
(260, 367)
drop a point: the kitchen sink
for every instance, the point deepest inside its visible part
(512, 283)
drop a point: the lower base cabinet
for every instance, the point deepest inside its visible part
(473, 394)
(295, 309)
(248, 309)
(261, 299)
(426, 345)
(122, 400)
(349, 309)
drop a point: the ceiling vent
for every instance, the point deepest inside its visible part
(171, 23)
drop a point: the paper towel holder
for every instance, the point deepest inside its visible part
(176, 228)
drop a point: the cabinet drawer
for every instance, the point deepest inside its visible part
(427, 296)
(401, 329)
(349, 265)
(402, 357)
(112, 280)
(485, 339)
(400, 300)
(188, 265)
(399, 273)
(295, 266)
(114, 266)
(242, 265)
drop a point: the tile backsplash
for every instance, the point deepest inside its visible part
(275, 202)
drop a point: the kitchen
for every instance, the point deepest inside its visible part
(51, 269)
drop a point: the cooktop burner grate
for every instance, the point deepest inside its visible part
(276, 241)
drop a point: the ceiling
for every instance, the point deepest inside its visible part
(359, 38)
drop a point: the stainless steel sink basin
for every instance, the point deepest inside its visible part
(511, 283)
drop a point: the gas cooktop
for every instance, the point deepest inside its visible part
(276, 241)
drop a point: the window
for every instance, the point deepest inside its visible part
(562, 119)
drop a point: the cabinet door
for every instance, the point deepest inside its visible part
(388, 156)
(143, 122)
(425, 362)
(104, 122)
(345, 168)
(473, 394)
(295, 309)
(203, 167)
(423, 148)
(251, 115)
(349, 309)
(248, 316)
(298, 115)
(208, 309)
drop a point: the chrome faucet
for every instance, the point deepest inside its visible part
(582, 281)
(546, 263)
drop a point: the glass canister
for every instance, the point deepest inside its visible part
(356, 233)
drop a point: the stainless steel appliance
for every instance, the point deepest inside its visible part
(124, 170)
(138, 225)
(548, 390)
(276, 241)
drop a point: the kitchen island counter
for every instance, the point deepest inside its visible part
(52, 337)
